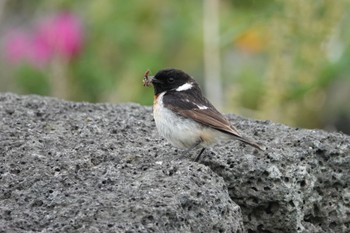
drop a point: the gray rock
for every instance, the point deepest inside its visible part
(300, 184)
(78, 167)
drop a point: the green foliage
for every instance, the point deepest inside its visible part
(32, 81)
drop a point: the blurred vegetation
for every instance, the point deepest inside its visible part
(286, 61)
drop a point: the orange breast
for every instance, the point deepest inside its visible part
(155, 99)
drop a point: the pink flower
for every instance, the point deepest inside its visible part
(17, 46)
(62, 33)
(40, 51)
(22, 47)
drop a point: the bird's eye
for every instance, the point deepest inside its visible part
(171, 80)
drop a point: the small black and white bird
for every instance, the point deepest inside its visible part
(184, 116)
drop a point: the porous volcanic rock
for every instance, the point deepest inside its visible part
(79, 167)
(300, 184)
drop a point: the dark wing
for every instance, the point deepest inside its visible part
(193, 105)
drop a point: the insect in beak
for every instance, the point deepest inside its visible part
(148, 80)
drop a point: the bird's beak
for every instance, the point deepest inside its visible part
(154, 80)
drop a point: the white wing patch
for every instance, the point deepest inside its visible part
(184, 87)
(202, 107)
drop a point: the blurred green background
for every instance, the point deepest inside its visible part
(282, 60)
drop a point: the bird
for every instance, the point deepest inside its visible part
(184, 116)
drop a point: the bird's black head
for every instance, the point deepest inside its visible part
(170, 79)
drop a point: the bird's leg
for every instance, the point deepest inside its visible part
(189, 149)
(199, 155)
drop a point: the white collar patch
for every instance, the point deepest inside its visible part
(184, 87)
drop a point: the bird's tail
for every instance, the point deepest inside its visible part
(251, 143)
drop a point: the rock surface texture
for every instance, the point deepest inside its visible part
(78, 167)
